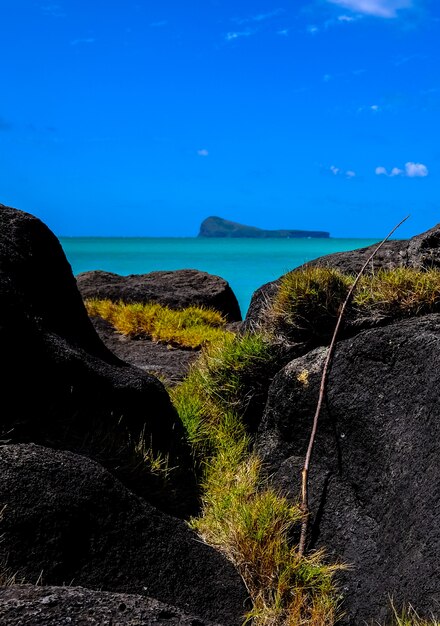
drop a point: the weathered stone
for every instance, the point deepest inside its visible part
(176, 289)
(67, 521)
(27, 605)
(60, 385)
(375, 478)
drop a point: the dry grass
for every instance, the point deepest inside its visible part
(409, 617)
(190, 328)
(308, 300)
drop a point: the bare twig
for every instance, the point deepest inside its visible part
(325, 371)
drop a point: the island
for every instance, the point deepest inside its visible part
(219, 227)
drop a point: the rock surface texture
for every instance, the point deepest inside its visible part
(375, 479)
(68, 521)
(27, 605)
(169, 363)
(62, 387)
(177, 289)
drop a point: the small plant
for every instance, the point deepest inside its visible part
(242, 516)
(226, 379)
(308, 301)
(190, 328)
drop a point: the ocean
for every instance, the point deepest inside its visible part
(245, 263)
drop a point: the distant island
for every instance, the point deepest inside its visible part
(218, 227)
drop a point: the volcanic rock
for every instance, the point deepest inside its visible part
(375, 477)
(66, 520)
(60, 385)
(176, 289)
(28, 605)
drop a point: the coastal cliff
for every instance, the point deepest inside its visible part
(219, 227)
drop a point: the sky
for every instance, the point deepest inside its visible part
(143, 117)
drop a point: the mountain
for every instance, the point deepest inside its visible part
(218, 227)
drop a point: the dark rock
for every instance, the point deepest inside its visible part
(219, 227)
(27, 605)
(375, 480)
(62, 387)
(177, 289)
(68, 521)
(169, 363)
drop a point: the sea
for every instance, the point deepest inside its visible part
(245, 263)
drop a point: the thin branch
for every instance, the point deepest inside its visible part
(325, 372)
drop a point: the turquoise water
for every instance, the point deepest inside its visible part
(245, 263)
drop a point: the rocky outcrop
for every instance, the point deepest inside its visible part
(420, 252)
(68, 521)
(176, 289)
(375, 474)
(219, 227)
(27, 605)
(62, 387)
(170, 363)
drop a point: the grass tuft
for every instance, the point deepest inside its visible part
(242, 516)
(409, 617)
(190, 328)
(308, 300)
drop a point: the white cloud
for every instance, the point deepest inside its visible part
(203, 152)
(415, 170)
(237, 34)
(284, 32)
(336, 171)
(259, 17)
(75, 42)
(375, 107)
(346, 18)
(55, 10)
(412, 170)
(377, 8)
(396, 171)
(312, 30)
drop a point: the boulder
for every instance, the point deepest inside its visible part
(28, 605)
(68, 521)
(375, 476)
(169, 363)
(420, 252)
(62, 387)
(176, 289)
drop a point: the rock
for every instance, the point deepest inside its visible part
(169, 363)
(69, 521)
(61, 385)
(219, 227)
(176, 289)
(420, 252)
(375, 479)
(27, 605)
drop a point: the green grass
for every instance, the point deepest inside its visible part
(190, 328)
(308, 301)
(242, 516)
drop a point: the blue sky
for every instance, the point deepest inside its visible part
(121, 117)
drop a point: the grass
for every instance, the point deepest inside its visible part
(410, 617)
(190, 328)
(308, 301)
(242, 516)
(230, 378)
